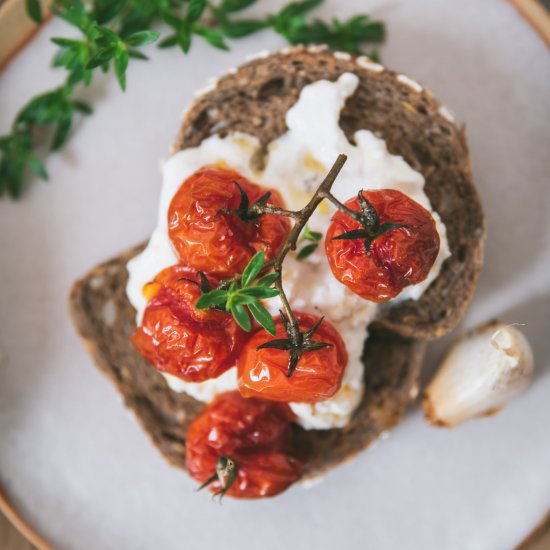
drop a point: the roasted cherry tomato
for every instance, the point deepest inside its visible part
(242, 447)
(318, 374)
(397, 258)
(209, 238)
(193, 344)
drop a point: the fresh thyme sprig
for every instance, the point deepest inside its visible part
(112, 33)
(100, 44)
(185, 26)
(100, 47)
(234, 295)
(347, 36)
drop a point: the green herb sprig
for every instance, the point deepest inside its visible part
(244, 294)
(347, 36)
(114, 31)
(56, 110)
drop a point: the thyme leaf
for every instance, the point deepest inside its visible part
(313, 237)
(248, 291)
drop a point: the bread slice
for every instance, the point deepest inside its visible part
(254, 99)
(105, 320)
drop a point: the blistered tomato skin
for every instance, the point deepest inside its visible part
(256, 434)
(318, 376)
(218, 242)
(398, 258)
(179, 339)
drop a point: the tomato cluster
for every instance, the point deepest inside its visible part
(241, 444)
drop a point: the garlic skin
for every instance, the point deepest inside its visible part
(480, 375)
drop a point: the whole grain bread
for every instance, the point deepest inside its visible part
(105, 320)
(254, 99)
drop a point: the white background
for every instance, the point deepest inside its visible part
(79, 466)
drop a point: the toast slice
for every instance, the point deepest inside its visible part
(254, 99)
(105, 320)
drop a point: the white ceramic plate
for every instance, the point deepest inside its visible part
(79, 466)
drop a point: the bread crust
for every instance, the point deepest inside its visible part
(414, 125)
(254, 99)
(105, 320)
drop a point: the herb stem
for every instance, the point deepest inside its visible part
(322, 192)
(302, 217)
(295, 329)
(331, 198)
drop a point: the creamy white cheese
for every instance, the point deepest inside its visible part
(296, 164)
(204, 391)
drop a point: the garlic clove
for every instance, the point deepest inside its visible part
(482, 372)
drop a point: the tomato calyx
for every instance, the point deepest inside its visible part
(297, 342)
(203, 285)
(370, 222)
(245, 211)
(251, 212)
(226, 474)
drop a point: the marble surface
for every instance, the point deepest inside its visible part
(77, 463)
